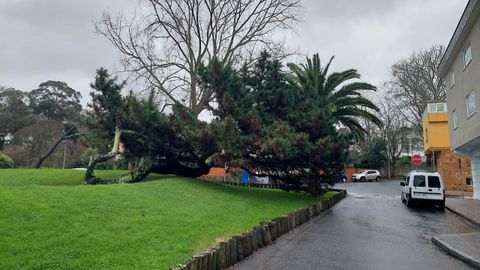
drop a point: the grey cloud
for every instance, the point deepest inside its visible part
(54, 39)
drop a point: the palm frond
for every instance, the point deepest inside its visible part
(352, 89)
(336, 79)
(357, 112)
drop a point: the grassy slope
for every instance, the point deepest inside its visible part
(49, 221)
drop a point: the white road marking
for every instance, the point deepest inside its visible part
(374, 196)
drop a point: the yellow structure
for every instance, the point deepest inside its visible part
(455, 171)
(435, 128)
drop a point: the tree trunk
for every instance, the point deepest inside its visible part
(94, 160)
(2, 141)
(143, 169)
(193, 90)
(146, 166)
(175, 167)
(312, 187)
(50, 151)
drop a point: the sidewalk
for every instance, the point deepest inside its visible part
(467, 208)
(464, 246)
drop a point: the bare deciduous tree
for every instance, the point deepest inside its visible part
(165, 46)
(415, 81)
(394, 131)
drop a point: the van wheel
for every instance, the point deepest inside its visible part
(403, 198)
(378, 179)
(442, 205)
(408, 203)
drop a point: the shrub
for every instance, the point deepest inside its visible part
(405, 161)
(6, 161)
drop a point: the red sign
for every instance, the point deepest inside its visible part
(416, 159)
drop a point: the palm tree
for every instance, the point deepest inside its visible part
(336, 93)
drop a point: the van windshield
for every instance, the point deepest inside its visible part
(419, 181)
(434, 181)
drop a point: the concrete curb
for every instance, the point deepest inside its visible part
(463, 216)
(456, 253)
(231, 251)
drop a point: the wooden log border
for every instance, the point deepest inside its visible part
(229, 252)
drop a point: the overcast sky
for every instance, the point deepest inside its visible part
(44, 40)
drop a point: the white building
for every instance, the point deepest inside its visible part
(459, 70)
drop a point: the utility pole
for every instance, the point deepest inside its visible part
(64, 153)
(225, 172)
(434, 162)
(461, 177)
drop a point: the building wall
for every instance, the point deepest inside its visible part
(466, 80)
(476, 177)
(349, 172)
(447, 167)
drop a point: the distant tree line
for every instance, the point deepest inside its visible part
(33, 124)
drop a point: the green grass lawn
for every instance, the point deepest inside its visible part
(49, 221)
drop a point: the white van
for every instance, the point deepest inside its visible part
(423, 187)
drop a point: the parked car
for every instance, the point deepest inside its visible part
(261, 180)
(367, 175)
(339, 177)
(423, 187)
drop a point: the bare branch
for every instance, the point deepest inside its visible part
(166, 46)
(415, 82)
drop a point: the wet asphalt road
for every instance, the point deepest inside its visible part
(370, 229)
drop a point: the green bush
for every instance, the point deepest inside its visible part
(405, 161)
(6, 161)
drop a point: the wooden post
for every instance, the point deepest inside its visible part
(273, 230)
(233, 251)
(285, 224)
(211, 262)
(239, 247)
(259, 236)
(217, 265)
(223, 254)
(204, 262)
(246, 245)
(196, 263)
(254, 241)
(313, 212)
(266, 234)
(290, 221)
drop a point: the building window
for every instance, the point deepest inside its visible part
(437, 107)
(467, 55)
(452, 79)
(471, 104)
(469, 182)
(441, 107)
(455, 119)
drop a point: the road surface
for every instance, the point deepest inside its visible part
(370, 229)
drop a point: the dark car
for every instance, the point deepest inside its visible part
(339, 178)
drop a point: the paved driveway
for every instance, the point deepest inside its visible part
(370, 229)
